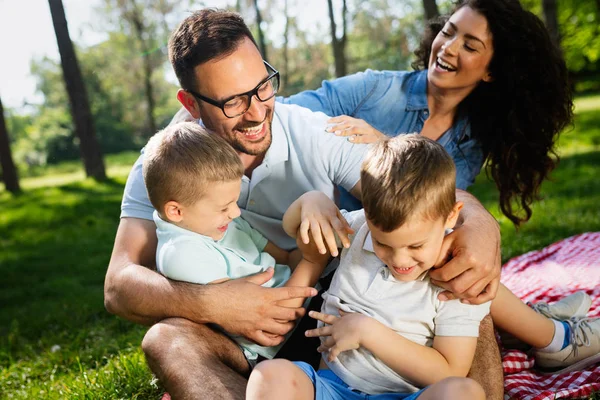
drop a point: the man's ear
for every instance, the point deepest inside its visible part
(190, 103)
(453, 216)
(173, 211)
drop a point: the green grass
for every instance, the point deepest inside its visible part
(56, 339)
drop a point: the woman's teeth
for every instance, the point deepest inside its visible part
(444, 65)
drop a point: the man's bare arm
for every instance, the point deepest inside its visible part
(142, 295)
(470, 258)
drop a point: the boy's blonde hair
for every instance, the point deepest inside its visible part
(405, 176)
(182, 160)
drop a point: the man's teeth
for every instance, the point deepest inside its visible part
(252, 131)
(445, 65)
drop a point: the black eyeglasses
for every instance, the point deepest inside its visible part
(237, 105)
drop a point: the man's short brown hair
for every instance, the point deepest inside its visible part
(405, 176)
(208, 34)
(182, 160)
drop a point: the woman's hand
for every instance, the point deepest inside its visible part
(357, 130)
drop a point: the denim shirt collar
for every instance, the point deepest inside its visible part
(417, 101)
(417, 92)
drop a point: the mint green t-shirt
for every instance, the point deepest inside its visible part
(188, 256)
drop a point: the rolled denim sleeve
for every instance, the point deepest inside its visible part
(341, 96)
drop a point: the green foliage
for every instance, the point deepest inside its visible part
(56, 339)
(579, 25)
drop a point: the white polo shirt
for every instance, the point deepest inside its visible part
(302, 157)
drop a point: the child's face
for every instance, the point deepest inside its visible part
(414, 247)
(211, 215)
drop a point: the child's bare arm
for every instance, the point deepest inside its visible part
(280, 255)
(316, 215)
(307, 272)
(449, 356)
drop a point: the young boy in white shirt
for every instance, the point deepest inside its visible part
(193, 180)
(384, 332)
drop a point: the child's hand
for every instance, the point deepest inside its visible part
(311, 253)
(357, 129)
(344, 332)
(322, 218)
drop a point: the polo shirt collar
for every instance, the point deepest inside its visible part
(368, 245)
(279, 150)
(417, 92)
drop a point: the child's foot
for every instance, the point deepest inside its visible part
(583, 348)
(576, 305)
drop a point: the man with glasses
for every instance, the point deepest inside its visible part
(227, 87)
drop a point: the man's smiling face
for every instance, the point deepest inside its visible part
(222, 78)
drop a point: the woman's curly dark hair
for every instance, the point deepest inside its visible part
(517, 117)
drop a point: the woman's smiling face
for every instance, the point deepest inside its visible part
(461, 52)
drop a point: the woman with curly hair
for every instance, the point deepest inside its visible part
(489, 85)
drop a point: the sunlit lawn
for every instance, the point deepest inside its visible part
(56, 339)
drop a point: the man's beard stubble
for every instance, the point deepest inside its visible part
(257, 148)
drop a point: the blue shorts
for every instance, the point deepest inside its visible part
(328, 386)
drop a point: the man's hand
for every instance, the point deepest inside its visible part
(343, 333)
(321, 217)
(469, 263)
(357, 130)
(243, 307)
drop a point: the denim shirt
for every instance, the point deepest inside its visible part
(394, 103)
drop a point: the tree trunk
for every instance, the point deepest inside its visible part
(431, 9)
(286, 57)
(551, 18)
(9, 171)
(138, 26)
(78, 99)
(261, 36)
(338, 45)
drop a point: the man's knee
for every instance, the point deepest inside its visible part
(174, 338)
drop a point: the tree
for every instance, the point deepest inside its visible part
(9, 171)
(431, 9)
(78, 99)
(338, 45)
(142, 26)
(261, 35)
(286, 44)
(550, 10)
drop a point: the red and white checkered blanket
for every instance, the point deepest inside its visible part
(547, 275)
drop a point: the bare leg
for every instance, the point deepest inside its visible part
(487, 364)
(454, 389)
(278, 380)
(193, 361)
(515, 317)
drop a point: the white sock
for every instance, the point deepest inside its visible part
(557, 341)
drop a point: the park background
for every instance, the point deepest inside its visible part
(58, 219)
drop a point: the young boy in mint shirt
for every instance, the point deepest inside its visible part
(193, 180)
